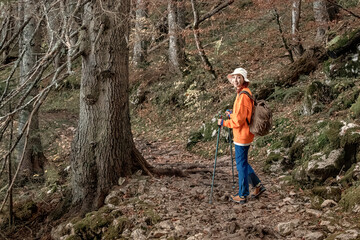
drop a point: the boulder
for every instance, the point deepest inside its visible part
(321, 166)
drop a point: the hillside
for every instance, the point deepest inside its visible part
(309, 162)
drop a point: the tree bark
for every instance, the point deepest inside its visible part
(321, 18)
(103, 148)
(174, 62)
(295, 20)
(33, 153)
(140, 44)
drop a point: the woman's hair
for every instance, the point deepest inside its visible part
(243, 83)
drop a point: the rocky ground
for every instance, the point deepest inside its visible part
(178, 207)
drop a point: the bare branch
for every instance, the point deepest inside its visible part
(203, 18)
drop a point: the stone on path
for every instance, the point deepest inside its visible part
(348, 235)
(328, 203)
(314, 236)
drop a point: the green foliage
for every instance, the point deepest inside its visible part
(355, 109)
(290, 95)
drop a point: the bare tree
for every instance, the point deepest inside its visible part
(176, 50)
(140, 43)
(33, 152)
(295, 19)
(321, 18)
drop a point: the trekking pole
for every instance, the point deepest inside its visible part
(213, 177)
(232, 159)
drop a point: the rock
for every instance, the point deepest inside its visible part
(348, 235)
(314, 236)
(299, 234)
(328, 203)
(198, 236)
(321, 166)
(356, 209)
(288, 200)
(138, 234)
(314, 212)
(285, 228)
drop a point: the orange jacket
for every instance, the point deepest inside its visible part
(242, 110)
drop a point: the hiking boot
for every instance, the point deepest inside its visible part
(238, 199)
(258, 190)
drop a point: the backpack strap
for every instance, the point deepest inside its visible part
(252, 98)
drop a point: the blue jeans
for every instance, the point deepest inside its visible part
(245, 171)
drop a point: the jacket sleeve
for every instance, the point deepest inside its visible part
(238, 118)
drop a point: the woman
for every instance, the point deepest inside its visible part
(238, 121)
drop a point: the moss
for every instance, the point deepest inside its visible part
(350, 198)
(333, 132)
(340, 41)
(74, 237)
(91, 226)
(115, 230)
(288, 140)
(296, 151)
(348, 176)
(333, 193)
(26, 211)
(355, 109)
(152, 217)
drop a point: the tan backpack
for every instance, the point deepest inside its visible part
(261, 117)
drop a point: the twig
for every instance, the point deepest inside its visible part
(282, 36)
(201, 51)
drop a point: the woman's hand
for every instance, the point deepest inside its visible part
(228, 112)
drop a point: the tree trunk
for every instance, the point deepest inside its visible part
(295, 19)
(181, 23)
(53, 28)
(321, 18)
(140, 44)
(33, 153)
(176, 49)
(103, 148)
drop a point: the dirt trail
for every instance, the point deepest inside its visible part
(183, 203)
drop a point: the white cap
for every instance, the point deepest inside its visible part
(241, 71)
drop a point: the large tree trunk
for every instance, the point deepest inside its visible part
(321, 18)
(140, 43)
(33, 153)
(103, 148)
(295, 19)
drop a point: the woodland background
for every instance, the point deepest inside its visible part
(108, 109)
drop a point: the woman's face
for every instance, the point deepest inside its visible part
(237, 80)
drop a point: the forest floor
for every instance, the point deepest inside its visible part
(182, 209)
